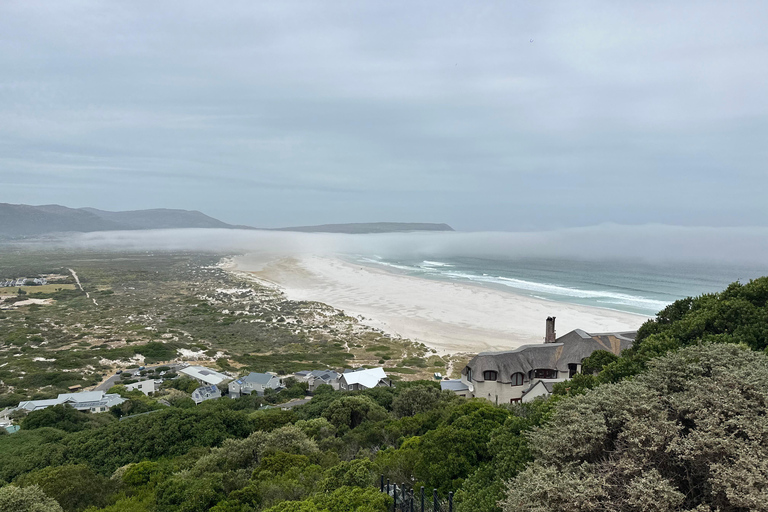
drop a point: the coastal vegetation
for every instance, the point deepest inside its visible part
(676, 423)
(149, 308)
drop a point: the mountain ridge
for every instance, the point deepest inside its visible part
(21, 220)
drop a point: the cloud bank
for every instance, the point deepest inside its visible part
(651, 243)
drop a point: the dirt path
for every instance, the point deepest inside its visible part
(449, 368)
(77, 281)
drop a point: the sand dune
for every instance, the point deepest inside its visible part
(450, 317)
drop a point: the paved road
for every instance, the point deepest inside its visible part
(115, 379)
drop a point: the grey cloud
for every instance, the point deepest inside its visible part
(296, 112)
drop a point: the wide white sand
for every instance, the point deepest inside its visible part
(450, 317)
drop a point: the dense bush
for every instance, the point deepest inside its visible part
(64, 418)
(688, 433)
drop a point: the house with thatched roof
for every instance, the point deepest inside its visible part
(530, 371)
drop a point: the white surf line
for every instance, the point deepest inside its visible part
(77, 280)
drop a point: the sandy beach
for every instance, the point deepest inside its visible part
(450, 317)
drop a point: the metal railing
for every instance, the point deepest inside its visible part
(408, 499)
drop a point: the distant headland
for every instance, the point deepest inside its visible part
(21, 220)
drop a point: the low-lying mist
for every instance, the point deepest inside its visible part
(649, 243)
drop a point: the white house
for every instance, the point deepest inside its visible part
(363, 378)
(257, 382)
(205, 376)
(146, 386)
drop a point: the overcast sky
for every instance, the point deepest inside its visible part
(508, 115)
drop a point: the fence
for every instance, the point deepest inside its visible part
(407, 499)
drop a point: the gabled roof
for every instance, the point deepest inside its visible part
(204, 374)
(83, 400)
(367, 377)
(569, 348)
(34, 405)
(549, 385)
(257, 378)
(83, 396)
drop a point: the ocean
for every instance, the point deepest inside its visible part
(629, 286)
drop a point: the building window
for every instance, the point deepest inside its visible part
(469, 374)
(517, 379)
(514, 400)
(572, 370)
(544, 373)
(489, 375)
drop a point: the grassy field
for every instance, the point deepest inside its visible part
(46, 288)
(151, 307)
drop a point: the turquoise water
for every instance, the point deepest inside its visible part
(629, 286)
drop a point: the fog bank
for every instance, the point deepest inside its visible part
(650, 243)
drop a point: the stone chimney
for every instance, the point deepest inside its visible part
(550, 336)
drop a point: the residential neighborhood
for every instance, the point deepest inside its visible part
(519, 375)
(23, 281)
(213, 385)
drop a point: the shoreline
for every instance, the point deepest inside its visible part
(447, 316)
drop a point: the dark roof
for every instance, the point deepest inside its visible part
(258, 378)
(453, 385)
(573, 347)
(324, 374)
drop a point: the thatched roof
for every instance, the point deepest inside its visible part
(573, 347)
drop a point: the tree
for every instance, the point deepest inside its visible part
(688, 434)
(596, 361)
(27, 499)
(62, 417)
(75, 487)
(414, 400)
(180, 494)
(353, 473)
(351, 411)
(738, 314)
(140, 474)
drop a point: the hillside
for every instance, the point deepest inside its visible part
(21, 220)
(25, 220)
(160, 218)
